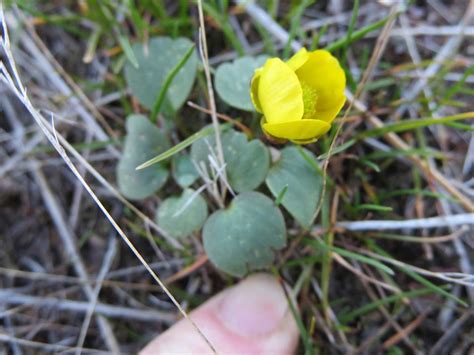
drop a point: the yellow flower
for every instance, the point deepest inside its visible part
(299, 99)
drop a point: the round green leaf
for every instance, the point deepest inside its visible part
(180, 216)
(232, 81)
(245, 236)
(247, 163)
(184, 172)
(143, 141)
(304, 184)
(155, 61)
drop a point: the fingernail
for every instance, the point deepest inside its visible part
(255, 307)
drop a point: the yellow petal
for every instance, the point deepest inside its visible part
(254, 89)
(324, 74)
(298, 59)
(279, 92)
(329, 113)
(301, 131)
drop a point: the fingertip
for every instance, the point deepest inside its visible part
(252, 317)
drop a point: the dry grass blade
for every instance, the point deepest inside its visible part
(110, 311)
(106, 264)
(212, 102)
(405, 332)
(20, 93)
(43, 347)
(73, 254)
(200, 261)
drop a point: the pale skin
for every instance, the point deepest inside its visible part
(252, 317)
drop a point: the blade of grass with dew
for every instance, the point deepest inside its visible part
(181, 145)
(346, 318)
(169, 79)
(413, 124)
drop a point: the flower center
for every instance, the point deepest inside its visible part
(310, 99)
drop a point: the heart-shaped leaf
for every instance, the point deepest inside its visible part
(180, 216)
(184, 172)
(303, 181)
(155, 61)
(143, 141)
(232, 81)
(247, 163)
(245, 236)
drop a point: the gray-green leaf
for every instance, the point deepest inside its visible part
(304, 183)
(247, 163)
(180, 216)
(184, 172)
(155, 60)
(143, 141)
(232, 81)
(245, 236)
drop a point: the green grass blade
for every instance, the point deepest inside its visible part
(180, 146)
(281, 195)
(223, 22)
(346, 318)
(394, 153)
(355, 256)
(169, 79)
(422, 280)
(350, 30)
(456, 87)
(355, 36)
(413, 124)
(127, 49)
(371, 207)
(461, 126)
(420, 192)
(296, 15)
(432, 286)
(338, 149)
